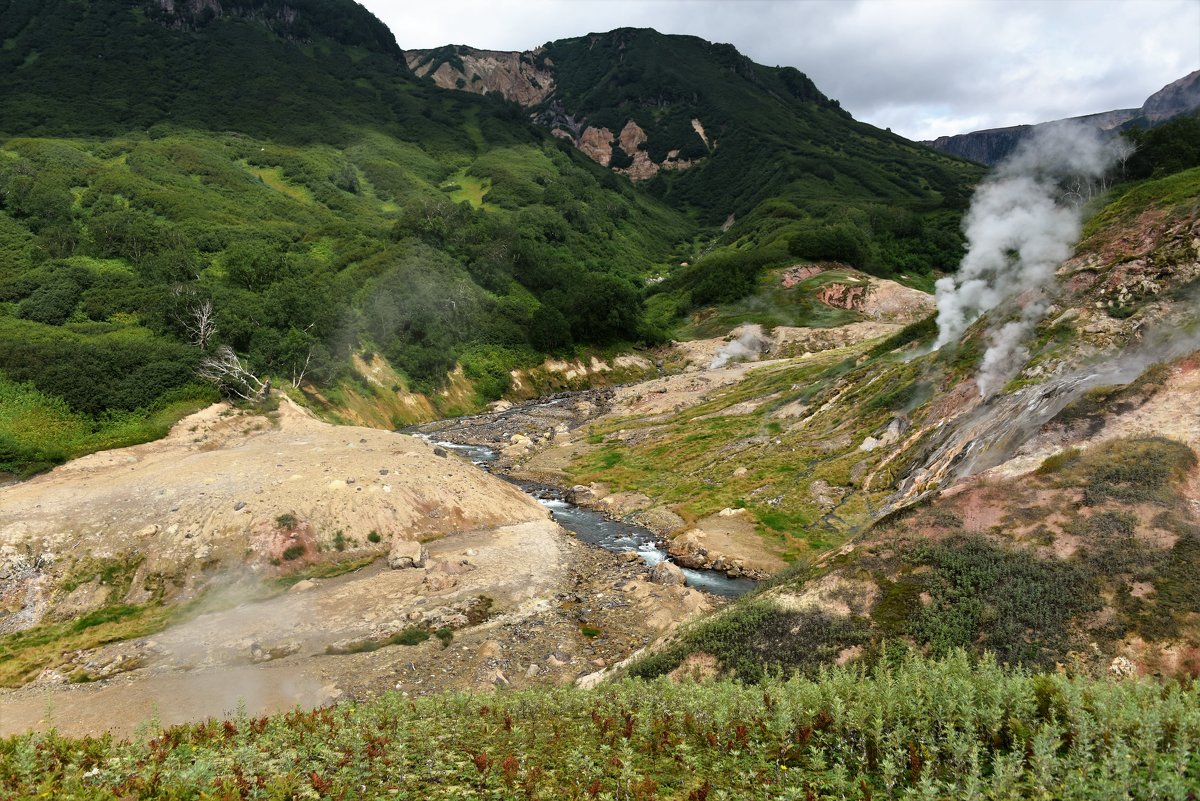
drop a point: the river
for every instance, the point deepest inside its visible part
(594, 528)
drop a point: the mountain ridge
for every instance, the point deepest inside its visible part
(992, 145)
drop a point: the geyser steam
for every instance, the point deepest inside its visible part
(1024, 221)
(749, 345)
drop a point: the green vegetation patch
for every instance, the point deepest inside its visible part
(1132, 470)
(912, 728)
(24, 654)
(1008, 602)
(758, 639)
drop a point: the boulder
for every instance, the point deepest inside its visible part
(668, 574)
(406, 554)
(437, 582)
(660, 520)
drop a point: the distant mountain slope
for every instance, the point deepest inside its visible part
(760, 151)
(993, 145)
(654, 106)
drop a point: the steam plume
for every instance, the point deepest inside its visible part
(1024, 220)
(747, 347)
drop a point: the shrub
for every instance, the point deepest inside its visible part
(754, 640)
(293, 552)
(1136, 471)
(1009, 602)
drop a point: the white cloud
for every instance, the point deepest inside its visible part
(922, 67)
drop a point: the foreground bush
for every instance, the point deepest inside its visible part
(920, 729)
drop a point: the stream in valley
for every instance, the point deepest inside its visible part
(594, 528)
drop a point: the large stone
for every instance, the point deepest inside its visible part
(660, 520)
(406, 554)
(668, 574)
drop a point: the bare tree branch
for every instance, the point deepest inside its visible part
(297, 377)
(201, 324)
(226, 370)
(198, 319)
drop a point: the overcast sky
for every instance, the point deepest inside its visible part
(921, 67)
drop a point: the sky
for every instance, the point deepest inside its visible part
(923, 68)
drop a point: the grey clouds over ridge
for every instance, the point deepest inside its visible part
(923, 68)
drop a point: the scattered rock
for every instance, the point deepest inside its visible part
(258, 653)
(1121, 668)
(437, 582)
(660, 520)
(303, 586)
(406, 554)
(239, 506)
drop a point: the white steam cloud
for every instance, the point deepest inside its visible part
(1023, 222)
(749, 345)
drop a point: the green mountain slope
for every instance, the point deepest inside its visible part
(279, 162)
(759, 150)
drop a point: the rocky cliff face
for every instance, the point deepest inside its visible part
(513, 75)
(528, 78)
(1174, 99)
(991, 146)
(986, 147)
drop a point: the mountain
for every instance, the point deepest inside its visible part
(993, 145)
(277, 164)
(688, 115)
(760, 151)
(392, 249)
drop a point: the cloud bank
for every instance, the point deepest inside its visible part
(924, 68)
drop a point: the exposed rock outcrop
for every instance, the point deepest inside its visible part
(513, 75)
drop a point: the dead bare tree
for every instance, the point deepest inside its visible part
(200, 322)
(226, 370)
(196, 316)
(1124, 149)
(298, 374)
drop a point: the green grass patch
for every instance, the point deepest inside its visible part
(26, 653)
(414, 635)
